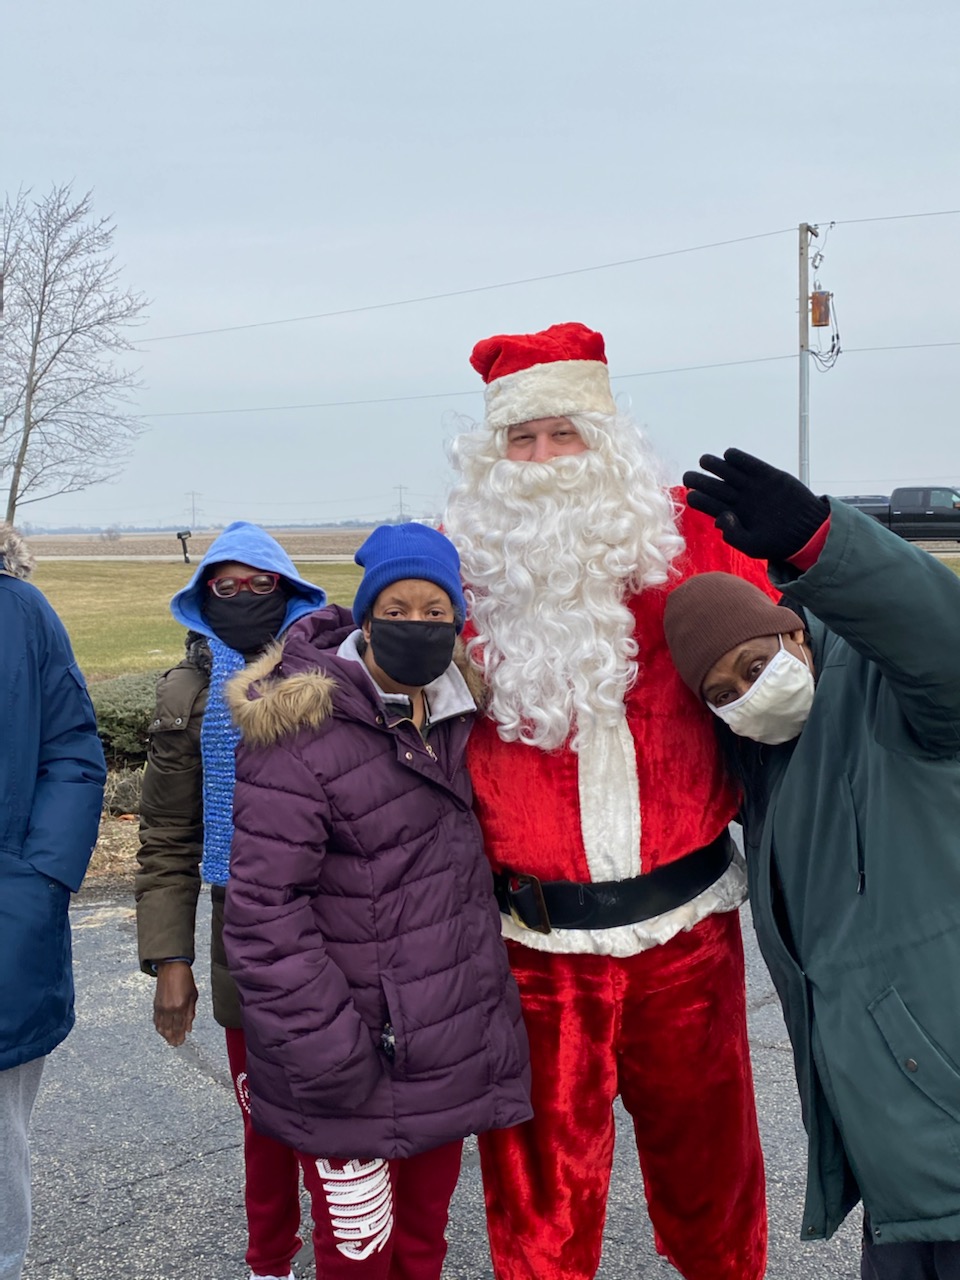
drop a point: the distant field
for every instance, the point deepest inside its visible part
(118, 615)
(313, 542)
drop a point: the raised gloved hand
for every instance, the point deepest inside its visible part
(762, 511)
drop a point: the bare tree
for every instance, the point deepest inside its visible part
(67, 422)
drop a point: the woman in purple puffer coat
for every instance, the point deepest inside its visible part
(382, 1022)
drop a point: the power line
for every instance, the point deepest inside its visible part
(323, 404)
(553, 275)
(460, 293)
(449, 395)
(305, 502)
(893, 217)
(439, 395)
(693, 368)
(382, 497)
(903, 346)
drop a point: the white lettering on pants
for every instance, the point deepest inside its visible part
(243, 1091)
(360, 1203)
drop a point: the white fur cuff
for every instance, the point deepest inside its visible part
(552, 390)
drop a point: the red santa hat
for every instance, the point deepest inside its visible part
(551, 374)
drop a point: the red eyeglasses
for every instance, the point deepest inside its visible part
(260, 584)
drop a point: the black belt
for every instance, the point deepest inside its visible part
(545, 905)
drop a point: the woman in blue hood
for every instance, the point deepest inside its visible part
(244, 594)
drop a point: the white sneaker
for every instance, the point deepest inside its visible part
(288, 1276)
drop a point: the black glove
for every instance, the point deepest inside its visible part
(762, 511)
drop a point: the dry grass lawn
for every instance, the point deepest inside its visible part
(115, 855)
(117, 611)
(297, 542)
(118, 616)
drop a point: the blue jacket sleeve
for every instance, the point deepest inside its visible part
(67, 802)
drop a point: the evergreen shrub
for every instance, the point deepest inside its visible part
(125, 707)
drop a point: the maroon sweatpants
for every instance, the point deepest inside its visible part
(373, 1219)
(382, 1219)
(271, 1188)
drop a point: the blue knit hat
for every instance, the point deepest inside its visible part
(397, 551)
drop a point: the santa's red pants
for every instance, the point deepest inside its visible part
(666, 1030)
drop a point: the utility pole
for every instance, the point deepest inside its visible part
(193, 496)
(400, 488)
(806, 231)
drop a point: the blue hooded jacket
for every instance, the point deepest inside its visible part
(51, 788)
(245, 543)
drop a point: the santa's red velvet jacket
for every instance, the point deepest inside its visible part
(627, 804)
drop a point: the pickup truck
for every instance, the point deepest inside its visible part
(930, 514)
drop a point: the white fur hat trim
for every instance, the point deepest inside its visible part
(553, 390)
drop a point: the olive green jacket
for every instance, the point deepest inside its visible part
(171, 831)
(853, 850)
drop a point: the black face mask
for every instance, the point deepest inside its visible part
(412, 653)
(246, 622)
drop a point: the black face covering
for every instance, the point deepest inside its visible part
(412, 653)
(246, 622)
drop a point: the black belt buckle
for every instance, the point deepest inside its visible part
(516, 884)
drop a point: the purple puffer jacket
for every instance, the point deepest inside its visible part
(361, 928)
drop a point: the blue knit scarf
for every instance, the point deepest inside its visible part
(218, 742)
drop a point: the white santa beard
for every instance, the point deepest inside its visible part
(494, 522)
(550, 551)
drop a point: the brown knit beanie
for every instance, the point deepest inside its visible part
(710, 614)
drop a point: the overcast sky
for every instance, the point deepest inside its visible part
(266, 161)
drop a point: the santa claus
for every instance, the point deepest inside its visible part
(605, 808)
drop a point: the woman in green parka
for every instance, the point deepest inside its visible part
(842, 718)
(244, 593)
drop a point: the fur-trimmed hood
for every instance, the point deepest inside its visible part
(15, 557)
(360, 830)
(267, 705)
(293, 684)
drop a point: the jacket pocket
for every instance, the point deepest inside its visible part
(36, 986)
(332, 1071)
(849, 808)
(895, 1099)
(918, 1058)
(439, 1030)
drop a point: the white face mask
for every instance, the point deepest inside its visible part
(776, 706)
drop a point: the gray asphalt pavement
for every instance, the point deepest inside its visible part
(137, 1165)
